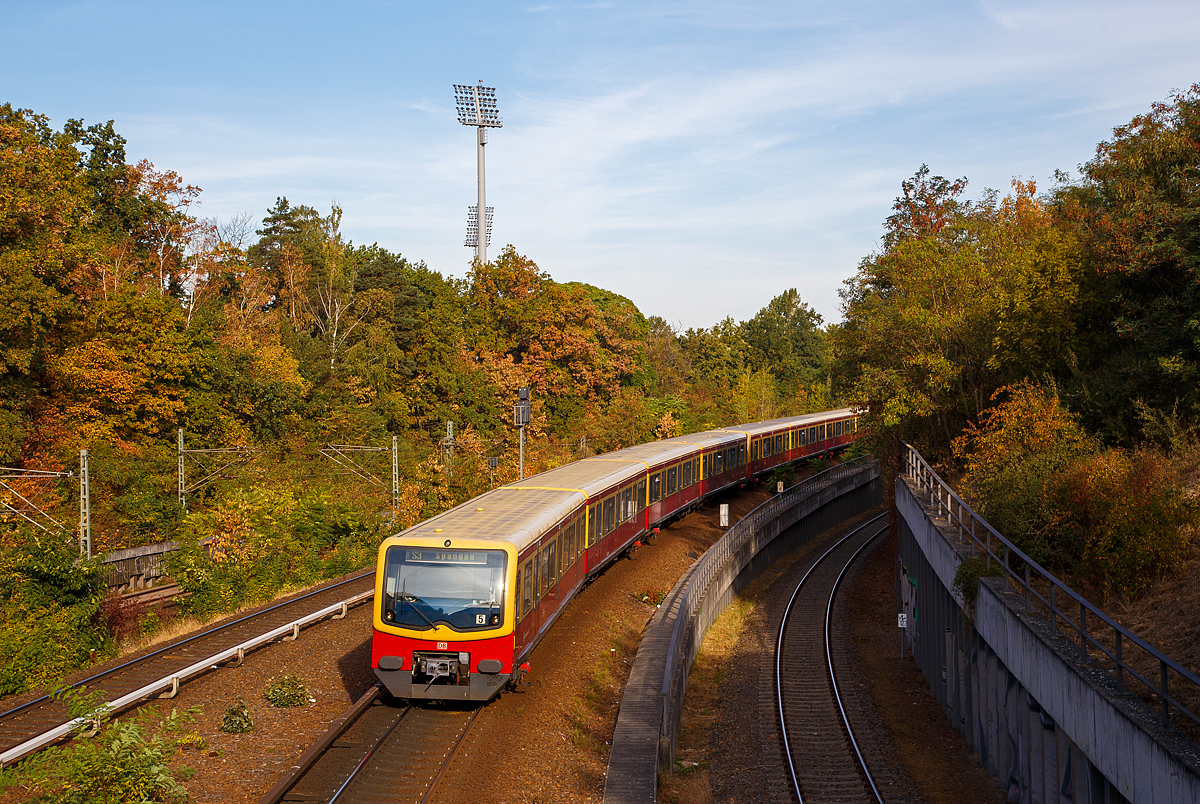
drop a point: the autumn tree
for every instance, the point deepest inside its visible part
(41, 250)
(963, 297)
(336, 307)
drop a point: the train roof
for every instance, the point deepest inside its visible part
(806, 419)
(522, 511)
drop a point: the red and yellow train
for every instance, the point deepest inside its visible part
(463, 598)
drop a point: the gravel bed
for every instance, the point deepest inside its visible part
(913, 752)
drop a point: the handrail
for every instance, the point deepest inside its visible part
(960, 515)
(690, 597)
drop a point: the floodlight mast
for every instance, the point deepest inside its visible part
(477, 107)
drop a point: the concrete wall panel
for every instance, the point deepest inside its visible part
(1046, 721)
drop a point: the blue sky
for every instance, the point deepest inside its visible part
(699, 158)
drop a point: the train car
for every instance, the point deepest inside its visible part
(461, 599)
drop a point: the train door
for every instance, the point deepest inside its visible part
(628, 508)
(654, 497)
(671, 489)
(572, 554)
(548, 580)
(640, 501)
(687, 488)
(608, 524)
(591, 548)
(526, 599)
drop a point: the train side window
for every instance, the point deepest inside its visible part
(696, 470)
(754, 447)
(741, 454)
(641, 494)
(518, 590)
(779, 443)
(627, 504)
(656, 487)
(591, 525)
(550, 563)
(802, 437)
(823, 433)
(720, 456)
(610, 516)
(706, 466)
(685, 473)
(672, 480)
(527, 600)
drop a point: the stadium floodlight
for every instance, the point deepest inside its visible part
(477, 107)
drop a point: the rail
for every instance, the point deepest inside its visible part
(237, 652)
(691, 597)
(968, 525)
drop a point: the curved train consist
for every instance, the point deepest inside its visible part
(461, 599)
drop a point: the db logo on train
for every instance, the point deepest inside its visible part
(443, 645)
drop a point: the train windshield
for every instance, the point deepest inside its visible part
(460, 588)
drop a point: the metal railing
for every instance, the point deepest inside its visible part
(975, 530)
(690, 599)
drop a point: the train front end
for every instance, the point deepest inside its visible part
(443, 625)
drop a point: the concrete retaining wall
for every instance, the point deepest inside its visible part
(653, 699)
(1049, 724)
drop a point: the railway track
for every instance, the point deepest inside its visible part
(380, 750)
(40, 722)
(824, 758)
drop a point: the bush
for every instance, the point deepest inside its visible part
(49, 602)
(1127, 515)
(236, 719)
(785, 474)
(258, 542)
(1115, 519)
(287, 690)
(966, 578)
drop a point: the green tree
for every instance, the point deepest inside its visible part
(785, 338)
(1136, 209)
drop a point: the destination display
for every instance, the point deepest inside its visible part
(444, 557)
